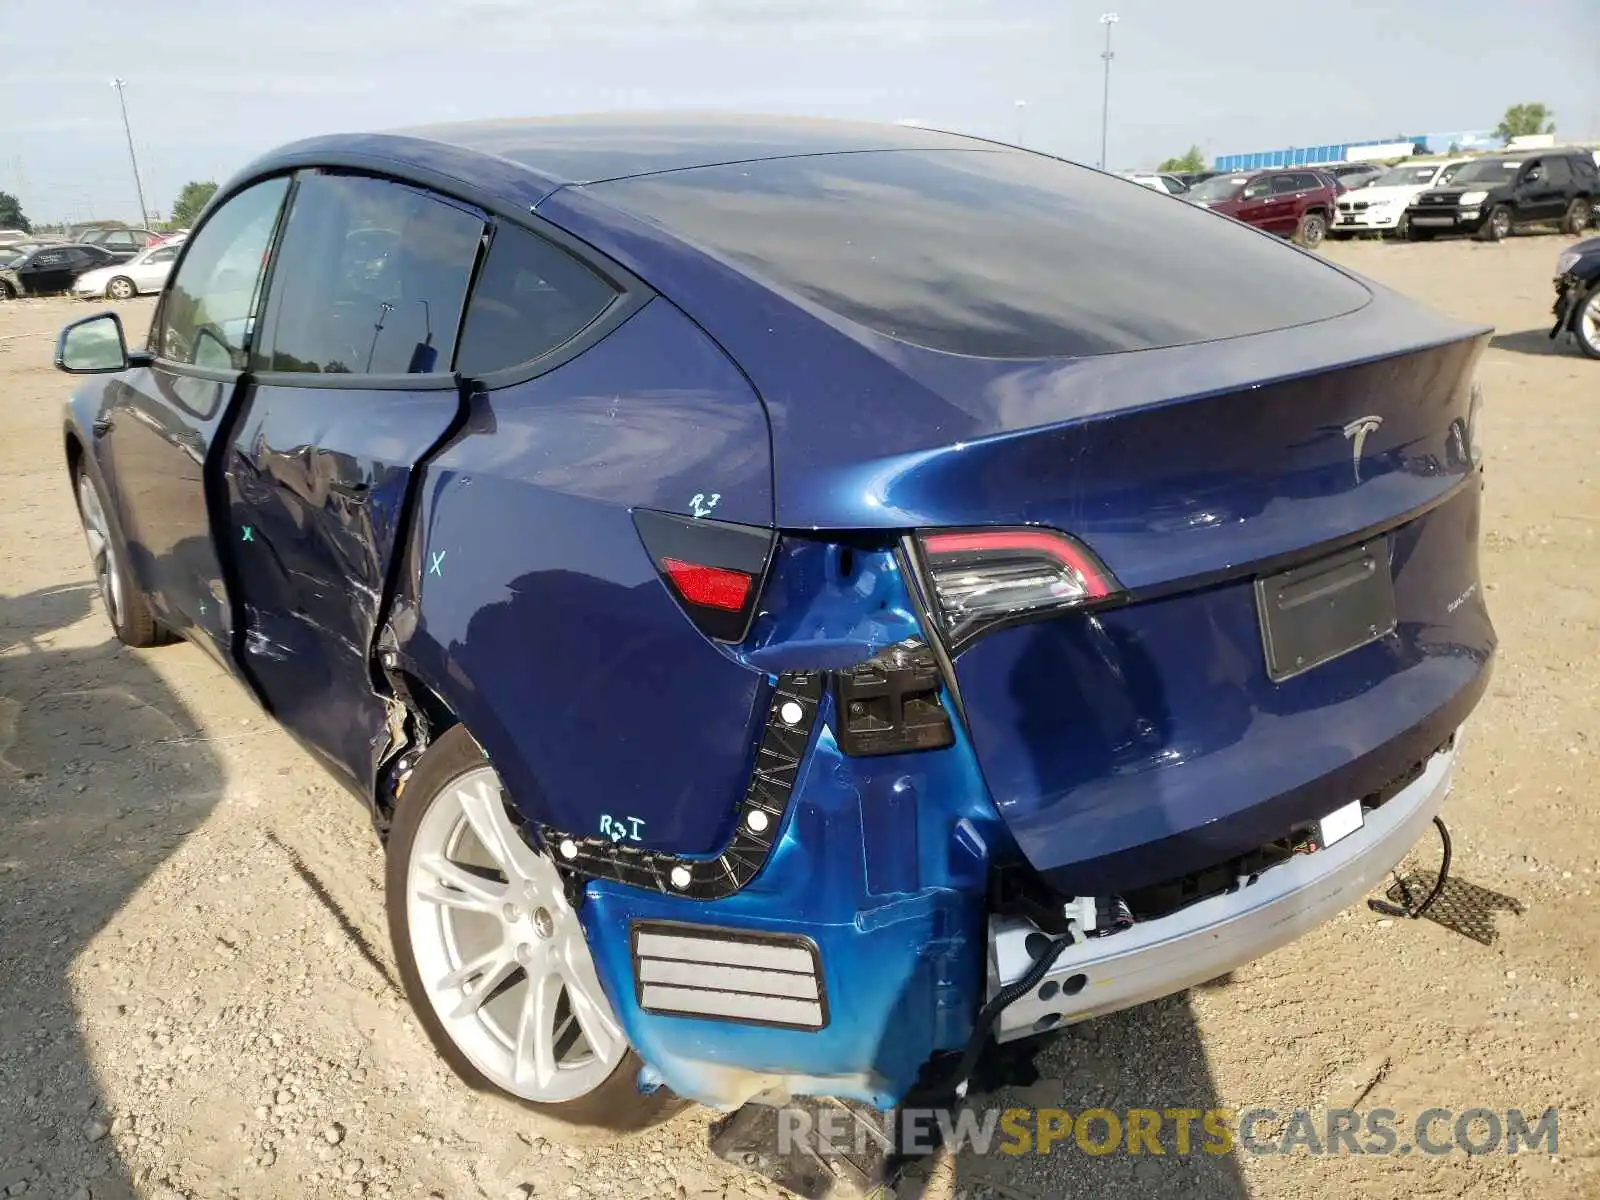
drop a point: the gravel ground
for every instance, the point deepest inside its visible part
(197, 997)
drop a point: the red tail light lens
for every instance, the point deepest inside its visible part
(711, 587)
(713, 569)
(984, 578)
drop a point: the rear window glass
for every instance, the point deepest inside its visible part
(531, 297)
(992, 254)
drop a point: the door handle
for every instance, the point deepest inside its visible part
(102, 426)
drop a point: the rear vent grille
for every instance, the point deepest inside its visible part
(728, 975)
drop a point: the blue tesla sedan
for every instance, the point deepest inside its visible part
(800, 599)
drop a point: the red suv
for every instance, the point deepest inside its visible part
(1295, 203)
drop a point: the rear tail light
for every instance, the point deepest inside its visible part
(981, 579)
(713, 569)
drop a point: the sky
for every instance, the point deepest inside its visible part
(212, 83)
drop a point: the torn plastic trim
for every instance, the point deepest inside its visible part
(791, 717)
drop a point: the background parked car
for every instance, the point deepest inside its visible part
(1381, 206)
(1350, 176)
(1578, 295)
(1161, 182)
(1492, 196)
(1298, 203)
(42, 270)
(146, 271)
(122, 243)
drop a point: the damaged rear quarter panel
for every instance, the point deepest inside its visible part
(530, 607)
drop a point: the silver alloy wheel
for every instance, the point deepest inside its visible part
(1589, 319)
(501, 953)
(102, 550)
(1500, 223)
(121, 289)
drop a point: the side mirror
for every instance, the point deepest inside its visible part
(92, 346)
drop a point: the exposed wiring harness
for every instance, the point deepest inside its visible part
(954, 1084)
(1411, 908)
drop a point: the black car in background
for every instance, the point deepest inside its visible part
(1493, 196)
(1578, 295)
(37, 270)
(121, 244)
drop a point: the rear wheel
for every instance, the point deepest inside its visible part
(126, 607)
(1402, 228)
(121, 288)
(1313, 228)
(493, 956)
(1586, 323)
(7, 292)
(1577, 218)
(1498, 225)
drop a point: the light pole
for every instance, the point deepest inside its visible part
(1021, 107)
(119, 84)
(1108, 20)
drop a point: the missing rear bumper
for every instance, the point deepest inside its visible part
(1209, 938)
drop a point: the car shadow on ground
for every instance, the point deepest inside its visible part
(1533, 341)
(1059, 1115)
(1090, 1077)
(103, 773)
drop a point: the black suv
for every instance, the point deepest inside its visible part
(1492, 196)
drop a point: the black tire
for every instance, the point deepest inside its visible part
(127, 608)
(1402, 228)
(121, 288)
(7, 292)
(616, 1104)
(1312, 229)
(1588, 342)
(1413, 234)
(1577, 218)
(1497, 226)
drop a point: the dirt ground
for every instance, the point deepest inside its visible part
(197, 996)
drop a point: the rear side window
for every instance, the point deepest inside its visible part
(991, 253)
(1558, 172)
(531, 297)
(371, 279)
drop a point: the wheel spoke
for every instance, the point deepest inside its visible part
(459, 887)
(534, 1057)
(587, 1001)
(485, 811)
(490, 970)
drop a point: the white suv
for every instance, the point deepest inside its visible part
(1380, 207)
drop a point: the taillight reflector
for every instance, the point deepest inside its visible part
(711, 587)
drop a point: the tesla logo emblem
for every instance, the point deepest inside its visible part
(1357, 432)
